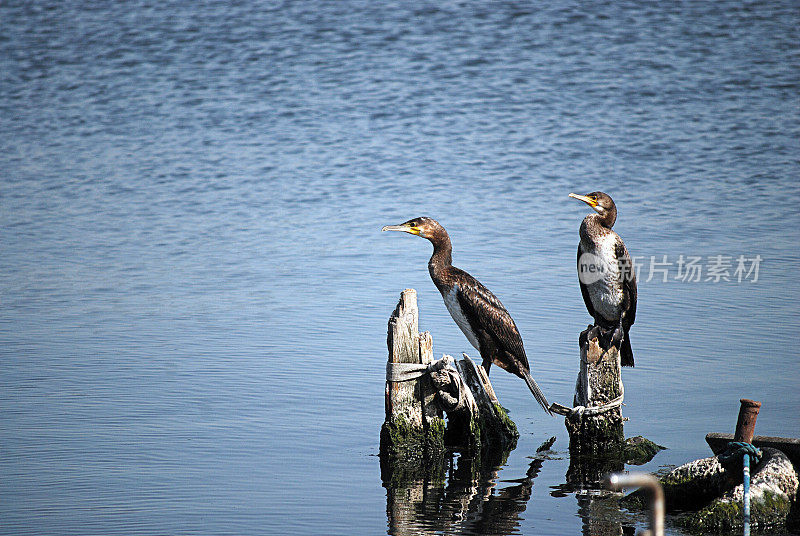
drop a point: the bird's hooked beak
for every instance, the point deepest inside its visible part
(589, 201)
(403, 228)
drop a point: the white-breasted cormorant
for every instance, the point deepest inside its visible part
(480, 315)
(606, 274)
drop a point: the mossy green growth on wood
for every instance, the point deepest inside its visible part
(491, 443)
(486, 431)
(640, 450)
(600, 435)
(508, 424)
(769, 511)
(435, 427)
(410, 453)
(434, 435)
(476, 435)
(400, 439)
(486, 439)
(500, 433)
(501, 436)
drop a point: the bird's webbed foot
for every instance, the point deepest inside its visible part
(608, 337)
(591, 332)
(617, 336)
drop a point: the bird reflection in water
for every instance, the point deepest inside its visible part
(468, 502)
(459, 497)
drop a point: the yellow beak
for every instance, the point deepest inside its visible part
(585, 199)
(401, 228)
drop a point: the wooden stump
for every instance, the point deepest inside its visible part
(403, 342)
(595, 422)
(414, 426)
(413, 434)
(490, 427)
(597, 443)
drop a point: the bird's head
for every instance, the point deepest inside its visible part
(422, 226)
(602, 204)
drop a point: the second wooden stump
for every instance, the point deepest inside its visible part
(595, 423)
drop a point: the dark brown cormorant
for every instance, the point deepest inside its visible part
(605, 272)
(480, 315)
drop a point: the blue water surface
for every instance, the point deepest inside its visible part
(194, 287)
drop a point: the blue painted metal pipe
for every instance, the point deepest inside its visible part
(746, 498)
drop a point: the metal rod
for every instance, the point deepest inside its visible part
(617, 481)
(745, 429)
(746, 423)
(746, 500)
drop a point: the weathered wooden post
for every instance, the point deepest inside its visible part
(417, 389)
(413, 461)
(414, 426)
(496, 430)
(594, 422)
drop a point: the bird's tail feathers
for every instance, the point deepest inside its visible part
(537, 392)
(626, 352)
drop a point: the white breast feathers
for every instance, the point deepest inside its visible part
(453, 305)
(606, 291)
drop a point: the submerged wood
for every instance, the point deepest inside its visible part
(596, 432)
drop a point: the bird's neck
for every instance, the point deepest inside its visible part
(442, 257)
(595, 227)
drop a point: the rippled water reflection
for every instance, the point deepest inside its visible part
(195, 289)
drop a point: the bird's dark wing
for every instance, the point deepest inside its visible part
(584, 289)
(628, 274)
(486, 314)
